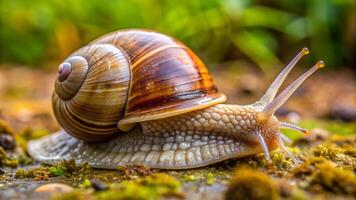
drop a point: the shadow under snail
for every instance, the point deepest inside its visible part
(138, 97)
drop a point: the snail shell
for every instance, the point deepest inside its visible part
(128, 77)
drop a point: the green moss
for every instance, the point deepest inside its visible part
(189, 178)
(307, 167)
(65, 168)
(85, 184)
(328, 151)
(319, 173)
(279, 160)
(38, 173)
(57, 170)
(210, 179)
(343, 156)
(6, 160)
(248, 183)
(21, 173)
(146, 188)
(334, 179)
(350, 151)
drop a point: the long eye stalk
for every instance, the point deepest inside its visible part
(273, 88)
(287, 92)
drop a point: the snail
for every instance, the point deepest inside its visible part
(137, 97)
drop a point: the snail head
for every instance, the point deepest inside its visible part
(268, 126)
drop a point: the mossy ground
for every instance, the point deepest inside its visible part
(327, 171)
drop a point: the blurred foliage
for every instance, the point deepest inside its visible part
(332, 126)
(40, 31)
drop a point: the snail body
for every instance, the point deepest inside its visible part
(139, 97)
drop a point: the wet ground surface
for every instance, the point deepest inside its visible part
(325, 104)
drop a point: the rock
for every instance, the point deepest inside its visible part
(344, 113)
(54, 188)
(7, 141)
(98, 185)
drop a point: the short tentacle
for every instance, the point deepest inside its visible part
(292, 127)
(285, 150)
(264, 146)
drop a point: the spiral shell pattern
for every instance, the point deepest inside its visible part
(128, 77)
(90, 99)
(167, 78)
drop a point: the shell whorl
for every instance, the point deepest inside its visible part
(91, 91)
(71, 75)
(128, 77)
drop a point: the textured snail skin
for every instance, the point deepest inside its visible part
(190, 140)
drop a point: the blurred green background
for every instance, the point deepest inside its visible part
(38, 33)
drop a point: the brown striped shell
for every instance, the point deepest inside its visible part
(128, 77)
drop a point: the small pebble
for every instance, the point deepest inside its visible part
(54, 188)
(98, 185)
(7, 141)
(319, 134)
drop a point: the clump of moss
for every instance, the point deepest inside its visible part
(65, 168)
(350, 151)
(134, 171)
(319, 173)
(58, 170)
(6, 160)
(328, 151)
(189, 177)
(150, 187)
(210, 178)
(334, 179)
(38, 173)
(306, 168)
(343, 156)
(279, 161)
(247, 183)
